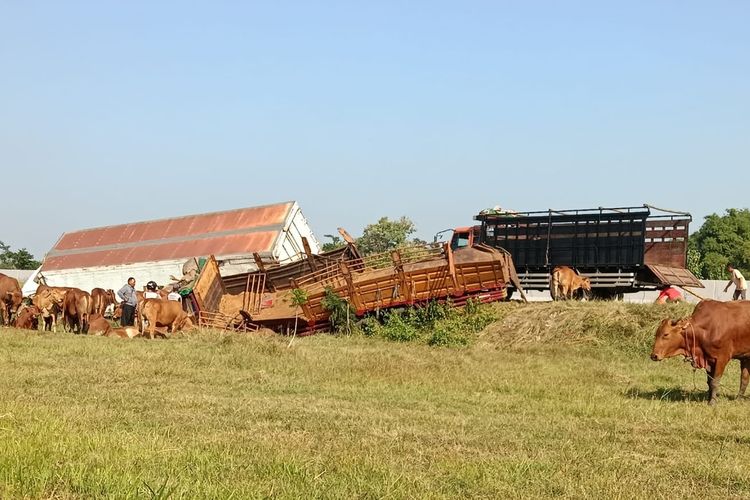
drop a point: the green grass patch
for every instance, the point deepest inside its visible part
(519, 411)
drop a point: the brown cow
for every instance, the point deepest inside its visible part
(28, 318)
(10, 298)
(715, 333)
(76, 310)
(98, 325)
(49, 300)
(101, 299)
(127, 332)
(158, 312)
(565, 282)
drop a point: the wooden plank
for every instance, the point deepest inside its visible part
(451, 267)
(354, 297)
(399, 269)
(692, 293)
(347, 237)
(209, 288)
(309, 254)
(259, 262)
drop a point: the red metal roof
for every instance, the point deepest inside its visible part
(233, 232)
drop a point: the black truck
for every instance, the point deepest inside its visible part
(620, 250)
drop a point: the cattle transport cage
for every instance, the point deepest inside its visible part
(620, 249)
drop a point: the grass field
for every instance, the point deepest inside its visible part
(549, 400)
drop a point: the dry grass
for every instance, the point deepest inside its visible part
(571, 322)
(210, 415)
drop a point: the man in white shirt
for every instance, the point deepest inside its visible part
(175, 295)
(151, 292)
(740, 285)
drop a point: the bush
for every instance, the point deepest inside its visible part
(435, 323)
(342, 313)
(400, 328)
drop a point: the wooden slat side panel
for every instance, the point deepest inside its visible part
(209, 286)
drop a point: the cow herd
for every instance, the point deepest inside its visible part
(79, 311)
(715, 333)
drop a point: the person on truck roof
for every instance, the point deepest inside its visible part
(669, 294)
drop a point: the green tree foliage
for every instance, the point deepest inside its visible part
(20, 259)
(722, 239)
(342, 315)
(335, 243)
(385, 235)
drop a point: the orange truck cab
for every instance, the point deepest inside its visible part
(465, 236)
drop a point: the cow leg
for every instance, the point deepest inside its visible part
(714, 380)
(144, 328)
(745, 375)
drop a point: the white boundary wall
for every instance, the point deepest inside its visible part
(714, 289)
(19, 274)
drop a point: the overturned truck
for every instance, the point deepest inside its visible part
(408, 276)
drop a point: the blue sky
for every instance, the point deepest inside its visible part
(113, 112)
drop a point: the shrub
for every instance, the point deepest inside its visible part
(341, 312)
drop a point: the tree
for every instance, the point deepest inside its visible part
(385, 235)
(335, 243)
(20, 259)
(722, 239)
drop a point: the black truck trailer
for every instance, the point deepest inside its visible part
(620, 250)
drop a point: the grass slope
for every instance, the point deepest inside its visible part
(549, 400)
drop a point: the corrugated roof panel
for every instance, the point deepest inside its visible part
(176, 227)
(220, 246)
(233, 232)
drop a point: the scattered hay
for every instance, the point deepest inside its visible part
(568, 323)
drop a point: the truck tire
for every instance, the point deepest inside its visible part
(606, 294)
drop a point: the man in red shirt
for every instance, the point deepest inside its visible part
(669, 294)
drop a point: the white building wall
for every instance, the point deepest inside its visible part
(714, 289)
(21, 275)
(114, 277)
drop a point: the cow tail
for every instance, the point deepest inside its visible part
(554, 284)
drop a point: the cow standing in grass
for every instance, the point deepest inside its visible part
(49, 300)
(101, 299)
(10, 298)
(76, 310)
(715, 333)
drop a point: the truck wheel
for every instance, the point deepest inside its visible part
(605, 294)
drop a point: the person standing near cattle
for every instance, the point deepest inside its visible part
(740, 285)
(175, 294)
(129, 303)
(151, 292)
